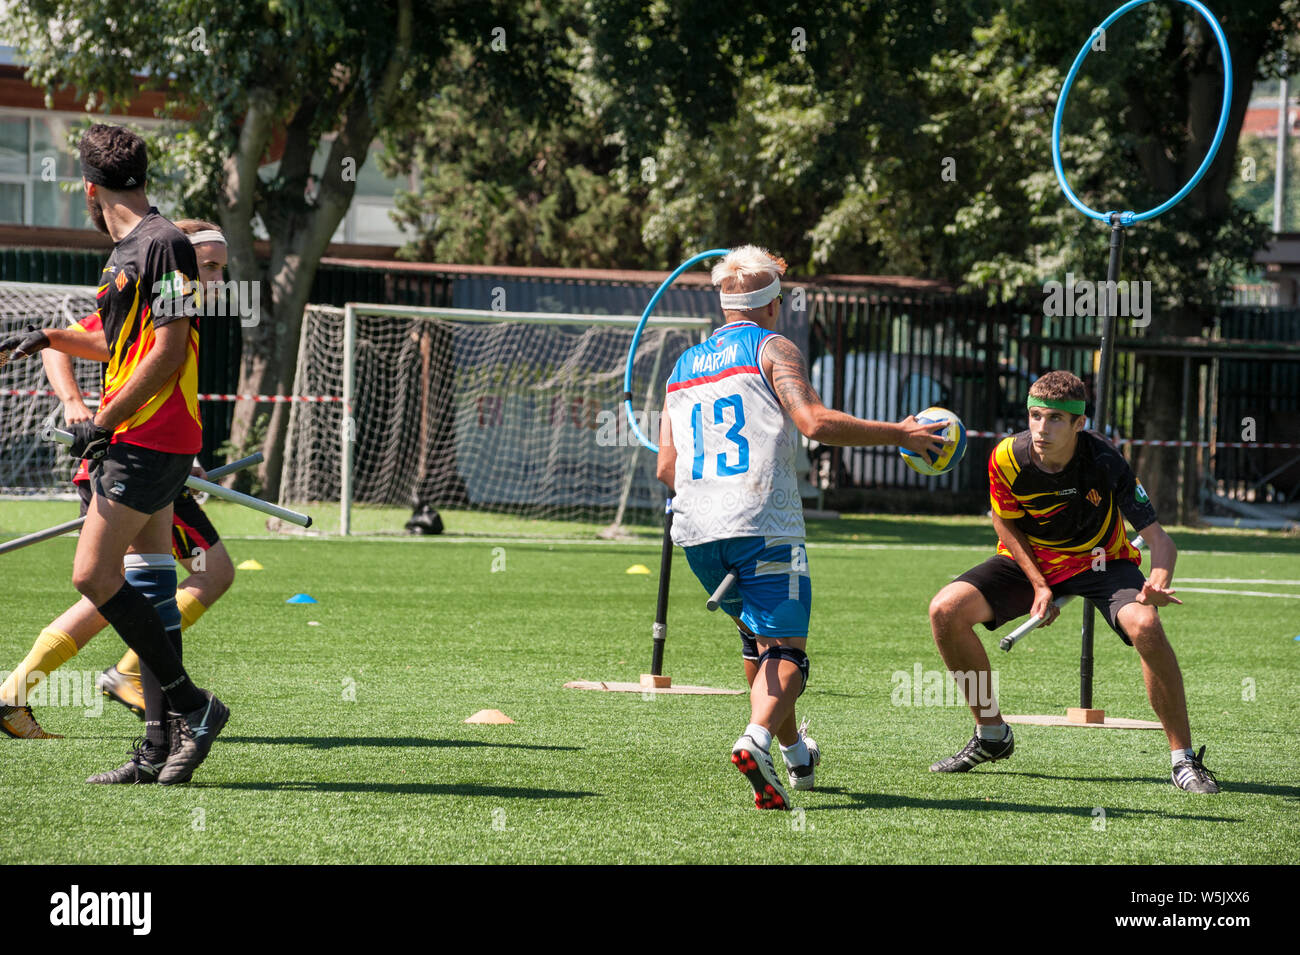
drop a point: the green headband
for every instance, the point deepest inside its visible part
(1074, 407)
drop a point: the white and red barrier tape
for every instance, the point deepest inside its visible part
(1153, 443)
(335, 399)
(319, 399)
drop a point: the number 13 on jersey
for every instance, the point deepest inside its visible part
(736, 442)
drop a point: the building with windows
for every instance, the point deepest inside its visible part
(41, 202)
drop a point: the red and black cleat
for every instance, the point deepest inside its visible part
(756, 766)
(744, 762)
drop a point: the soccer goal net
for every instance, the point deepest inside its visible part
(28, 464)
(512, 412)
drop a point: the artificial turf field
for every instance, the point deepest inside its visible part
(423, 633)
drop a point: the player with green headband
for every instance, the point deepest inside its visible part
(1060, 496)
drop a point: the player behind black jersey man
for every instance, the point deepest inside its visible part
(1060, 496)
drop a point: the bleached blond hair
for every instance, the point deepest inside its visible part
(747, 268)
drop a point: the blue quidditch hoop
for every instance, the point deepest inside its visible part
(1128, 218)
(636, 339)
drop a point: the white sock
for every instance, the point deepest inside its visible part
(760, 735)
(994, 734)
(1178, 755)
(796, 755)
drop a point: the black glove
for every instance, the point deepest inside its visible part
(89, 440)
(26, 344)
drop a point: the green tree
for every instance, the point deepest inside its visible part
(892, 91)
(502, 182)
(244, 76)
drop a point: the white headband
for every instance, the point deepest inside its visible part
(208, 235)
(744, 301)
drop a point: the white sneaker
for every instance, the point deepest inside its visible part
(756, 764)
(802, 777)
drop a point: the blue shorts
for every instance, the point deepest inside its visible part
(773, 591)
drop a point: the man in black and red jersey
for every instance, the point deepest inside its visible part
(141, 443)
(1060, 496)
(196, 544)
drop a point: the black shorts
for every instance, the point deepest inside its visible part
(191, 529)
(1004, 585)
(143, 479)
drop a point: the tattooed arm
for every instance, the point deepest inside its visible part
(783, 366)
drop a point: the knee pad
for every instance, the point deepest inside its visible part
(797, 657)
(154, 575)
(748, 645)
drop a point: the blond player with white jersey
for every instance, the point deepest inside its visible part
(727, 443)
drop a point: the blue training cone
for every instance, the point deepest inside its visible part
(301, 599)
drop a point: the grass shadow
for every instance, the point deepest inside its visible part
(402, 789)
(336, 742)
(893, 801)
(1228, 786)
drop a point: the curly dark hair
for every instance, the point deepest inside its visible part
(118, 152)
(1059, 386)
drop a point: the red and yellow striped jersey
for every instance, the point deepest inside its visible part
(151, 279)
(1067, 514)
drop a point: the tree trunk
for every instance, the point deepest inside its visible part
(1159, 418)
(300, 228)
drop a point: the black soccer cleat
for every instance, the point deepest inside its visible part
(193, 736)
(143, 767)
(975, 752)
(1191, 775)
(174, 736)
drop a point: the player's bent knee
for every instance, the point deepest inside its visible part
(94, 586)
(947, 609)
(1146, 631)
(798, 657)
(1141, 624)
(956, 606)
(221, 574)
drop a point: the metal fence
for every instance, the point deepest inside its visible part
(884, 353)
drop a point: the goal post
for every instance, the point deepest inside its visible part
(28, 464)
(511, 412)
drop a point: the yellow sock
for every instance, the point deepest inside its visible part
(191, 608)
(52, 649)
(129, 665)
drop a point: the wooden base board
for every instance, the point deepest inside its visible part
(656, 681)
(1078, 714)
(1111, 722)
(638, 688)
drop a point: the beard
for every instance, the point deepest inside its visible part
(96, 210)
